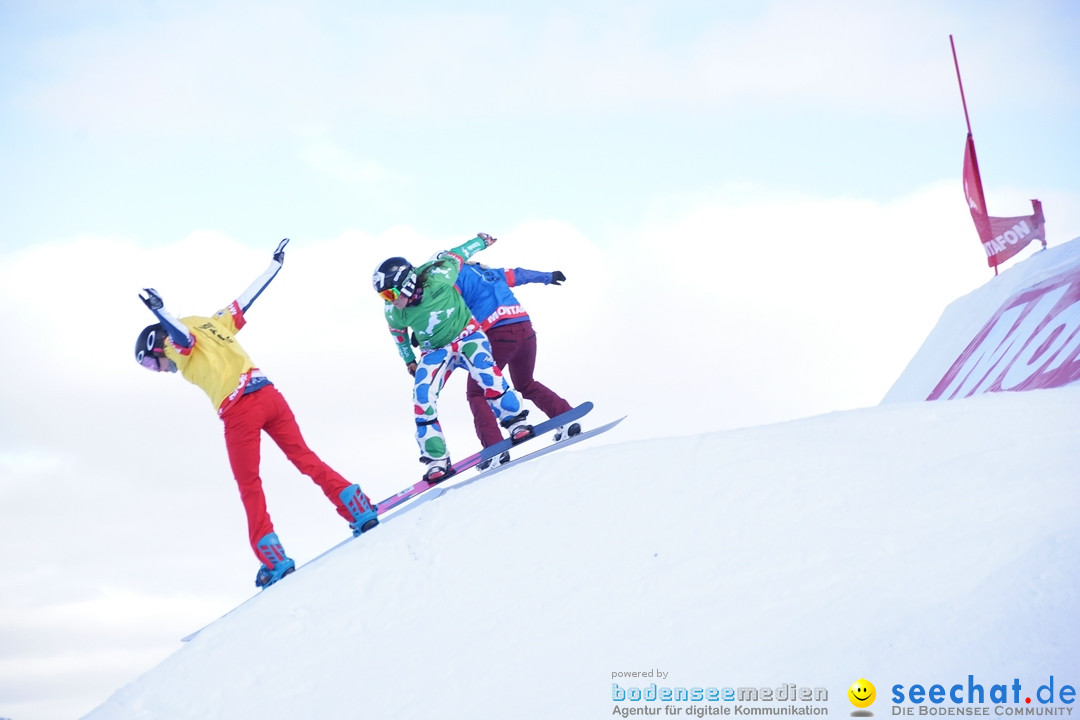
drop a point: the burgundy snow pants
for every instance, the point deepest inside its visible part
(266, 409)
(514, 347)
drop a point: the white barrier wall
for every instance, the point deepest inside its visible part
(1020, 331)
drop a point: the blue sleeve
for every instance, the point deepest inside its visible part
(177, 330)
(521, 276)
(255, 289)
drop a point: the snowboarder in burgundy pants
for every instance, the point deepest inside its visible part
(513, 345)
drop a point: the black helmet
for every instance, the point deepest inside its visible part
(394, 277)
(151, 344)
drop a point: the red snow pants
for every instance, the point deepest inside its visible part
(266, 409)
(513, 346)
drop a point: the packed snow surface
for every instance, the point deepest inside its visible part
(909, 543)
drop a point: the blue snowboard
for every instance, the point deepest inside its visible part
(487, 453)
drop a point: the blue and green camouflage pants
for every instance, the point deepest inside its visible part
(472, 352)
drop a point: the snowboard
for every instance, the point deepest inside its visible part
(422, 486)
(549, 448)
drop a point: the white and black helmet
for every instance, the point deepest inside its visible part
(150, 345)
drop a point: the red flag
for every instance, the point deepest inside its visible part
(1002, 238)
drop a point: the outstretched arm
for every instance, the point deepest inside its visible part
(454, 258)
(177, 330)
(521, 276)
(253, 291)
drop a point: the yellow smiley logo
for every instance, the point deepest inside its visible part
(862, 693)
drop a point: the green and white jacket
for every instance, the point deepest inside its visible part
(441, 315)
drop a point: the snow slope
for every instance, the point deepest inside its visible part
(914, 543)
(904, 544)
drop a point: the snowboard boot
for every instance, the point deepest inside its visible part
(365, 515)
(566, 431)
(267, 577)
(518, 429)
(438, 470)
(494, 462)
(276, 564)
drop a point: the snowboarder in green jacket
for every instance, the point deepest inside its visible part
(423, 300)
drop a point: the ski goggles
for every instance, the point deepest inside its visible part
(149, 361)
(390, 294)
(147, 356)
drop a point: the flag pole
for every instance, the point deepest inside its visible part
(960, 82)
(967, 119)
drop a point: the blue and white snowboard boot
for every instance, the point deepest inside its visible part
(365, 515)
(276, 564)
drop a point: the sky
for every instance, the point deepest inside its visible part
(759, 212)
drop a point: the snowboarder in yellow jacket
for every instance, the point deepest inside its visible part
(205, 351)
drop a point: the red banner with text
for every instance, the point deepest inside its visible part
(1032, 342)
(1002, 238)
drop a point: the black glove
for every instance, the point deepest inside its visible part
(411, 367)
(413, 340)
(153, 301)
(279, 254)
(488, 240)
(557, 277)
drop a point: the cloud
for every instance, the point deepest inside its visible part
(789, 305)
(232, 70)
